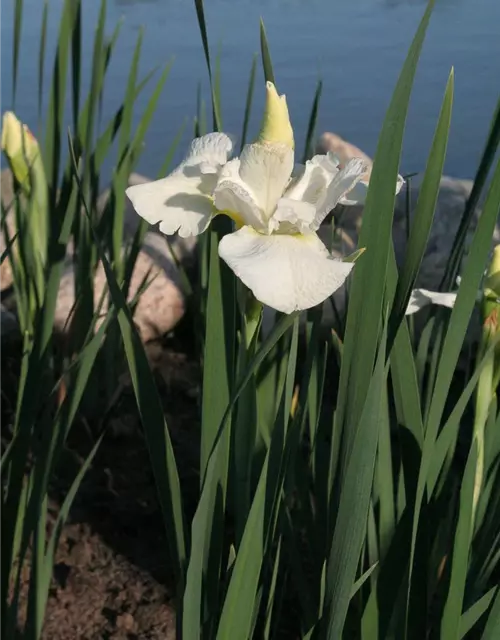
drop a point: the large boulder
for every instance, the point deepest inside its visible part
(452, 197)
(160, 306)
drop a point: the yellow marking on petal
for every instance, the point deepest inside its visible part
(235, 217)
(276, 126)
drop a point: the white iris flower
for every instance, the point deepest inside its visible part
(489, 292)
(277, 207)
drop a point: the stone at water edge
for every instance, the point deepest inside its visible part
(160, 307)
(131, 219)
(342, 148)
(452, 196)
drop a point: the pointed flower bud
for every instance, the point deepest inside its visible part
(491, 300)
(276, 127)
(20, 147)
(25, 160)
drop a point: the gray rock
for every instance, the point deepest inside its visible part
(160, 306)
(452, 197)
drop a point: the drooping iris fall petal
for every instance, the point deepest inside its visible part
(182, 202)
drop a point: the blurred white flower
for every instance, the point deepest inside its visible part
(420, 298)
(488, 294)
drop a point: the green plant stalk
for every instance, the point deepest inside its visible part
(243, 598)
(450, 620)
(85, 259)
(203, 521)
(482, 404)
(244, 436)
(486, 390)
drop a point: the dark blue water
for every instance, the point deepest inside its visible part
(356, 47)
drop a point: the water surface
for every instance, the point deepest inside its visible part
(356, 48)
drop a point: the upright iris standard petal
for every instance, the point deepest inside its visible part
(286, 272)
(183, 200)
(293, 216)
(342, 183)
(212, 150)
(323, 185)
(309, 183)
(266, 168)
(236, 198)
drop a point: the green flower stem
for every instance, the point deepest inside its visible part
(245, 432)
(484, 395)
(490, 375)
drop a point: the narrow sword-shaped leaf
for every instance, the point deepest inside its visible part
(266, 55)
(353, 505)
(365, 303)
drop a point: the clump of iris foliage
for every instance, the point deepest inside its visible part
(367, 504)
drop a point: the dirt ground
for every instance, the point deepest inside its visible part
(111, 577)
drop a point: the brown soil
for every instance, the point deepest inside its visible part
(112, 576)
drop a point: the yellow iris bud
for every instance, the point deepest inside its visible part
(276, 127)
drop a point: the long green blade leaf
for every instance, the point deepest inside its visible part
(266, 55)
(365, 303)
(453, 341)
(474, 613)
(450, 622)
(311, 127)
(18, 18)
(426, 204)
(492, 628)
(151, 412)
(353, 506)
(208, 505)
